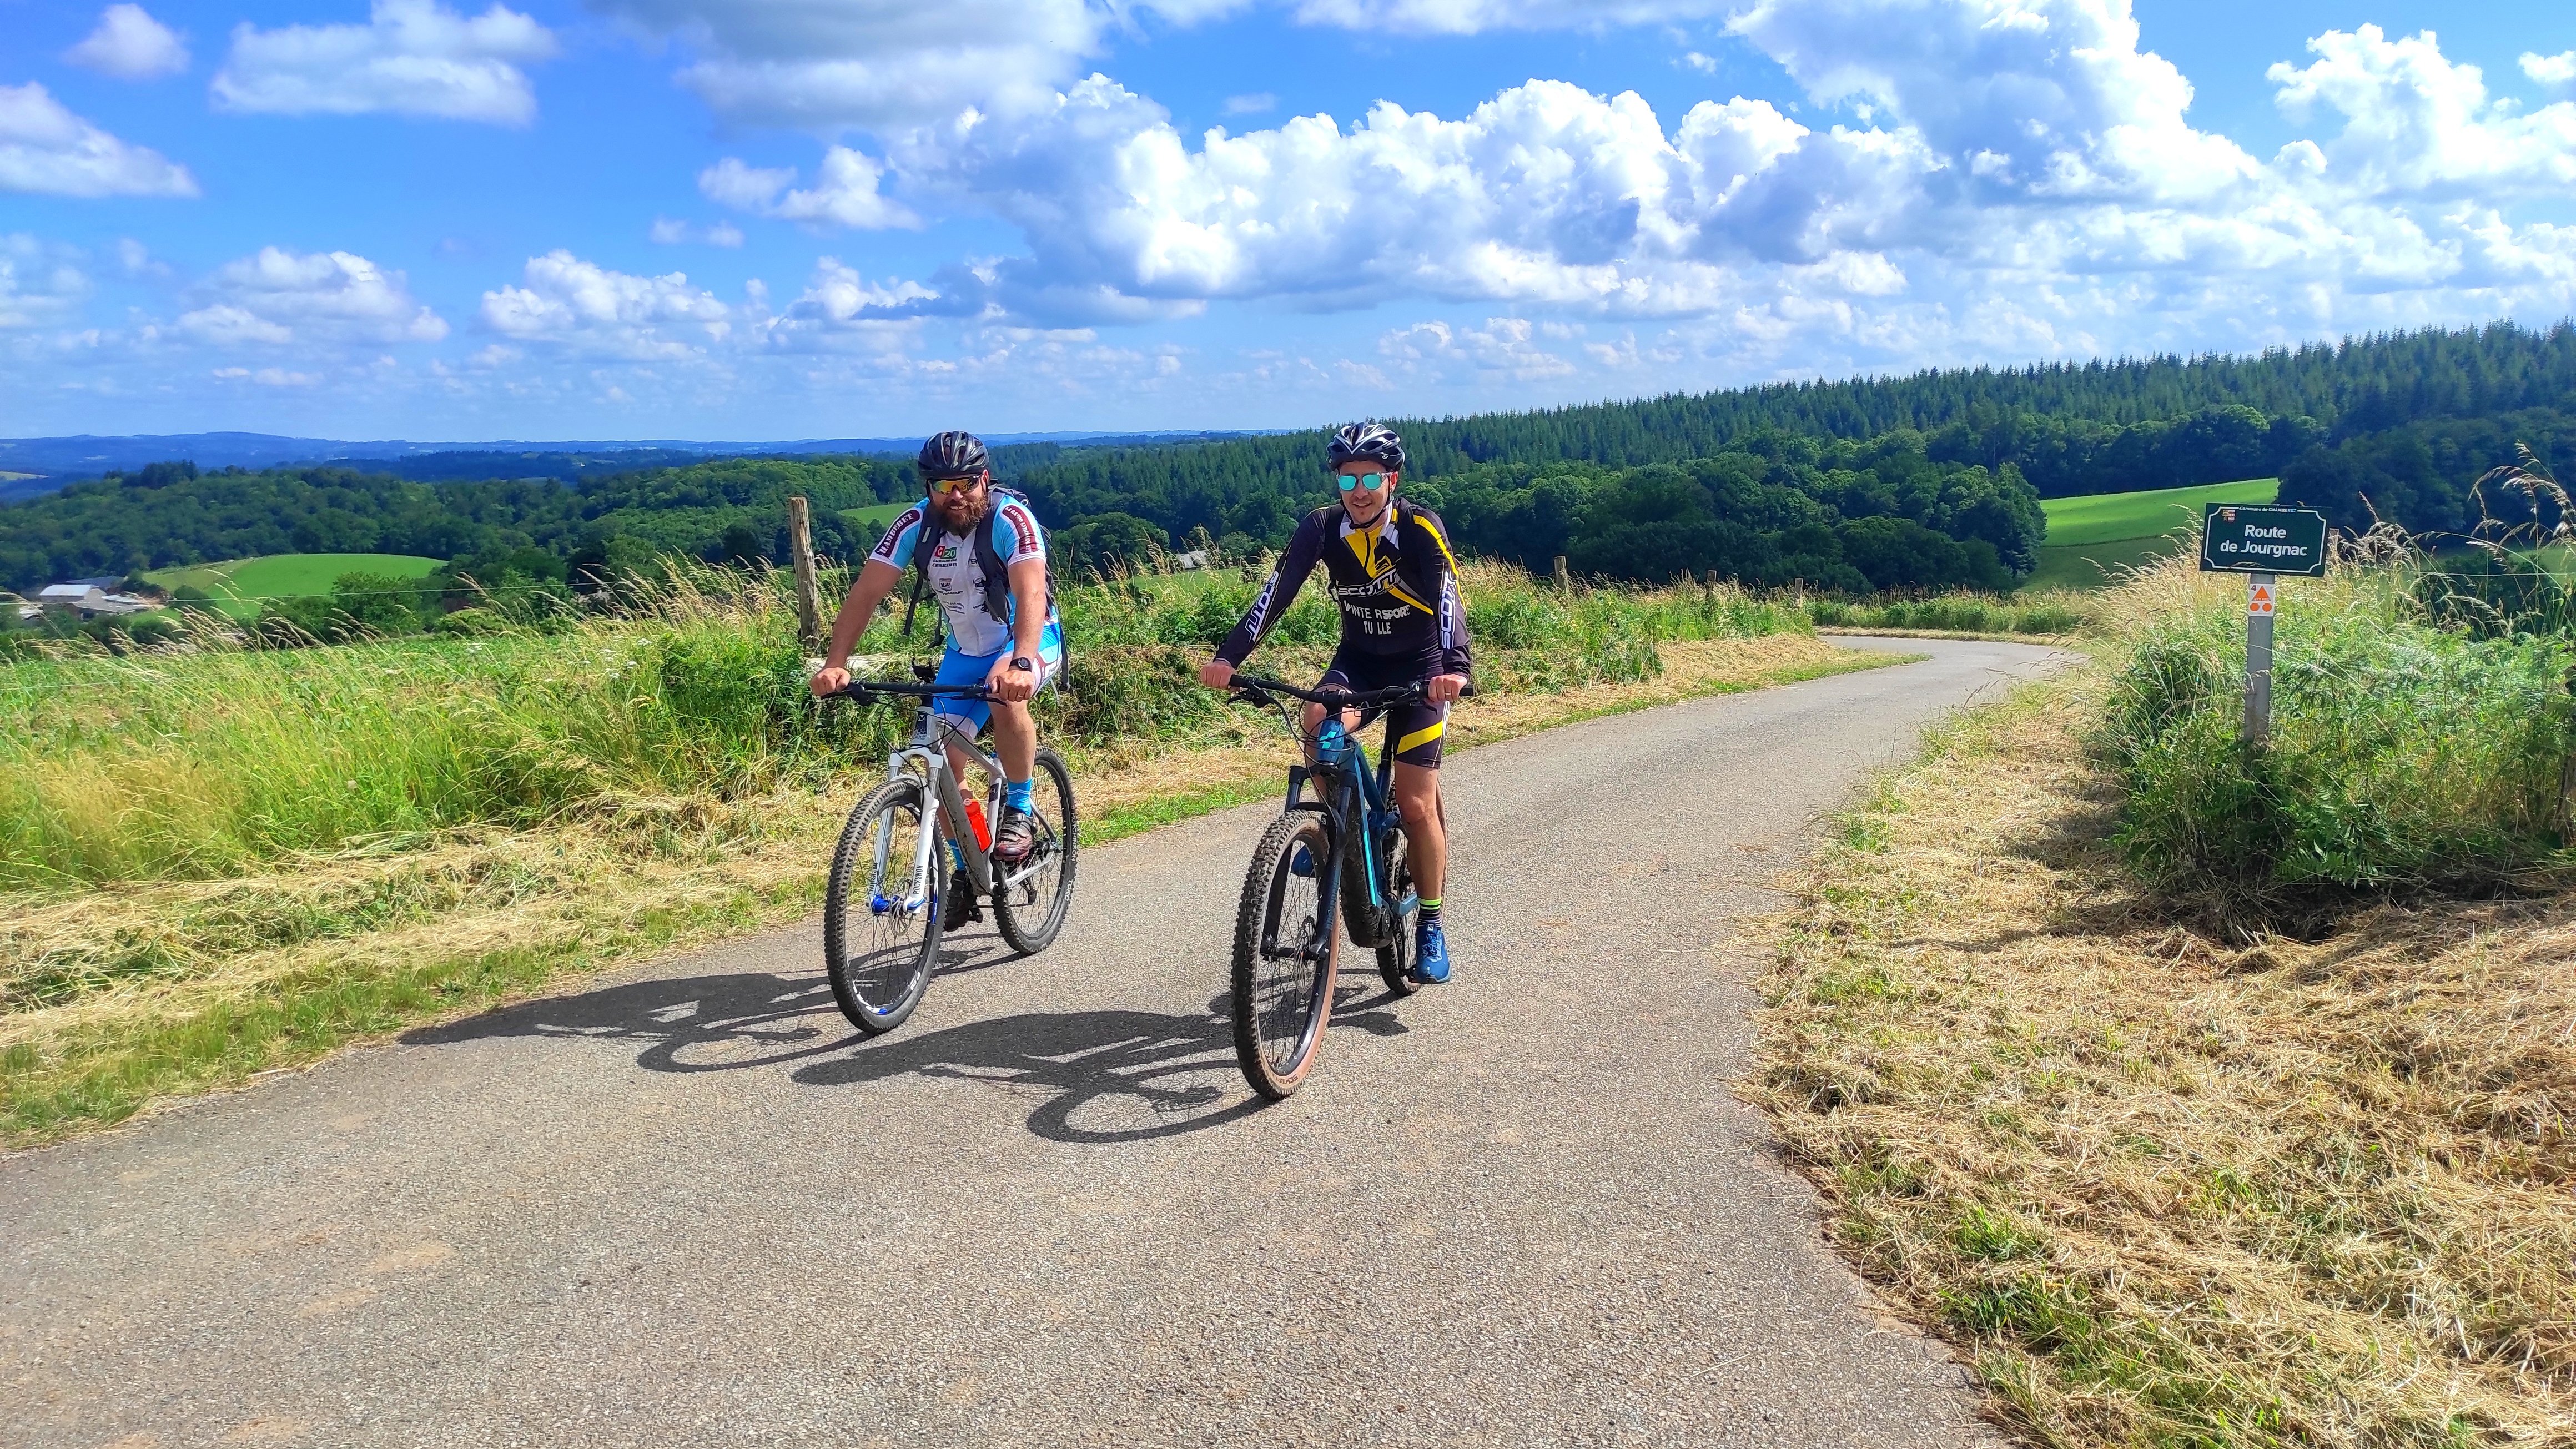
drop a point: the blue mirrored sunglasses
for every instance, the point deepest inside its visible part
(1349, 481)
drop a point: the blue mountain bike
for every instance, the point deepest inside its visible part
(1329, 865)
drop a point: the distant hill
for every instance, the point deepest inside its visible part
(52, 462)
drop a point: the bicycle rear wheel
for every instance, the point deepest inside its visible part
(1395, 946)
(1030, 913)
(882, 920)
(1285, 953)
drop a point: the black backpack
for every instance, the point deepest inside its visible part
(997, 583)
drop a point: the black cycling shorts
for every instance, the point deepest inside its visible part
(1414, 732)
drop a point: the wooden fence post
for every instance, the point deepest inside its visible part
(1562, 580)
(809, 601)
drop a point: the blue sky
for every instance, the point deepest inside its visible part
(798, 218)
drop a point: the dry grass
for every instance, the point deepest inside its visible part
(2168, 1192)
(110, 998)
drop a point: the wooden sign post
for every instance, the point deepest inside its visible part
(2261, 543)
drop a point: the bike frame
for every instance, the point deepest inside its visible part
(1347, 789)
(926, 754)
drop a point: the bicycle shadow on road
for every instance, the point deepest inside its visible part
(686, 1023)
(1105, 1076)
(699, 1023)
(1102, 1077)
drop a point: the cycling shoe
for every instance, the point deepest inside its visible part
(962, 905)
(1430, 954)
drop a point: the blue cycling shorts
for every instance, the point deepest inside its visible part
(971, 715)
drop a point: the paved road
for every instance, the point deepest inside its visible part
(685, 1207)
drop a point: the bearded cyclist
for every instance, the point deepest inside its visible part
(980, 551)
(1395, 580)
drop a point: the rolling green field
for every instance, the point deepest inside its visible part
(2100, 532)
(239, 584)
(875, 515)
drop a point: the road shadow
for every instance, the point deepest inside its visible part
(1100, 1077)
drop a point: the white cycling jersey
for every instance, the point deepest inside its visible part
(957, 576)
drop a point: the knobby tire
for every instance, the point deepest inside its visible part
(880, 965)
(1282, 1006)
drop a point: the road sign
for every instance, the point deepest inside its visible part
(2259, 602)
(2242, 539)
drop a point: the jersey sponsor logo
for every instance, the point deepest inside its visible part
(890, 548)
(944, 553)
(1024, 531)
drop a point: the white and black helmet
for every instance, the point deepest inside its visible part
(952, 455)
(1375, 442)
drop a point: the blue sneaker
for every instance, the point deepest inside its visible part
(1302, 864)
(1430, 954)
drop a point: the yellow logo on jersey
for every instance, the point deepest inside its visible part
(1369, 547)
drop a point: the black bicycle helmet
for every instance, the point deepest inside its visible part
(1373, 441)
(952, 455)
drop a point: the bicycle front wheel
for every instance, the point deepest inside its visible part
(1285, 952)
(1030, 911)
(882, 918)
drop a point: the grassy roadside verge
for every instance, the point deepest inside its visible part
(276, 970)
(2162, 1190)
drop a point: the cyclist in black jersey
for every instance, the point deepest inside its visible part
(1394, 578)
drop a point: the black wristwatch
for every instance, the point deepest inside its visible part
(1023, 662)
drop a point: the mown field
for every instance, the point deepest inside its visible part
(240, 586)
(2212, 1095)
(2092, 539)
(217, 863)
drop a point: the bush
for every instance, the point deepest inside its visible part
(2402, 754)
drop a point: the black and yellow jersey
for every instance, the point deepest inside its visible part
(1396, 584)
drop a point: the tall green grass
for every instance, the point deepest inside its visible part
(2407, 750)
(1957, 613)
(232, 757)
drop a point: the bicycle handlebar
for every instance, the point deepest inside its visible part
(1258, 685)
(867, 690)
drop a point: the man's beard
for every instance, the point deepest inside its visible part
(977, 509)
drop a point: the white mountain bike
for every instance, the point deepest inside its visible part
(884, 913)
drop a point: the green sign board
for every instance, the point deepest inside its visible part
(2238, 538)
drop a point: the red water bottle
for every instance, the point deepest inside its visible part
(975, 817)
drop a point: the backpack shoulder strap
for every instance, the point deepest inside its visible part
(988, 557)
(922, 544)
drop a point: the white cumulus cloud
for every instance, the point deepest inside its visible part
(40, 282)
(44, 148)
(1504, 344)
(1545, 193)
(844, 192)
(872, 63)
(2036, 97)
(2416, 122)
(1470, 17)
(412, 57)
(581, 306)
(2024, 174)
(130, 45)
(330, 298)
(2550, 70)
